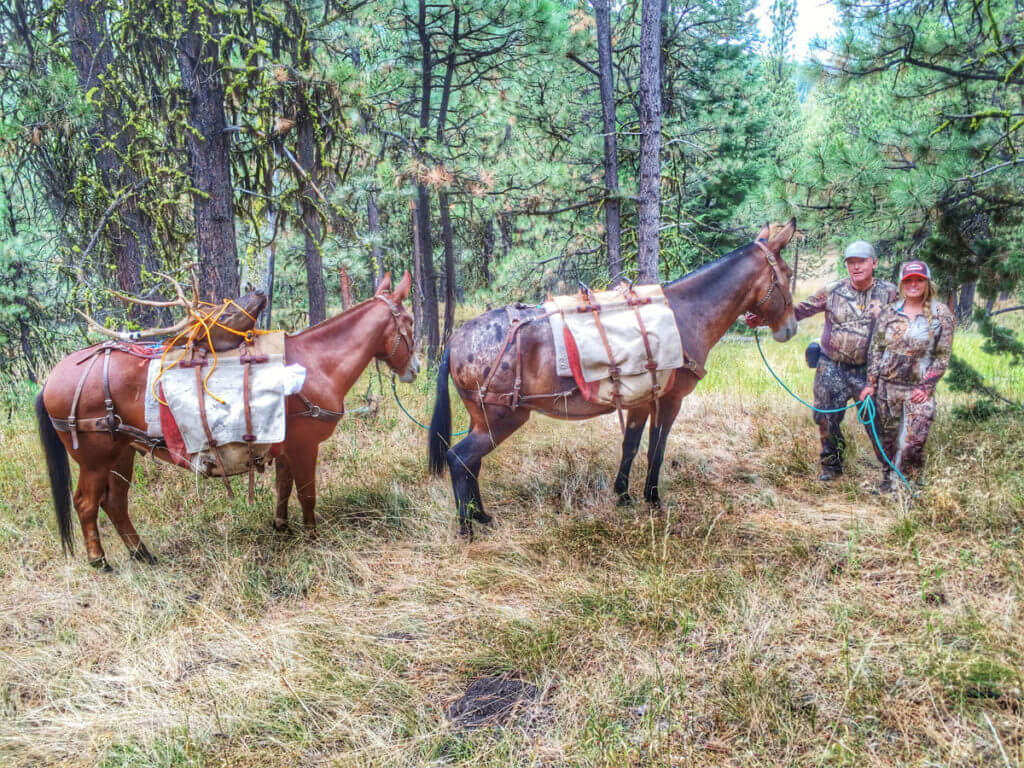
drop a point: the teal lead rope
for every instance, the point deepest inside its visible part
(865, 413)
(412, 418)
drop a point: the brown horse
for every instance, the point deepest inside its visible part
(705, 303)
(334, 353)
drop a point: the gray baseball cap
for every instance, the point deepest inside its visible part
(860, 249)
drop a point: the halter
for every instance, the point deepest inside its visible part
(396, 313)
(770, 257)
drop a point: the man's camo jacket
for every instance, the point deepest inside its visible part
(911, 352)
(850, 317)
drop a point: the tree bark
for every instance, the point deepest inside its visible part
(311, 225)
(208, 146)
(488, 253)
(417, 273)
(426, 257)
(373, 223)
(130, 232)
(649, 188)
(612, 223)
(448, 240)
(965, 304)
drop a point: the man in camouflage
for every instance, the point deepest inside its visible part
(851, 307)
(909, 353)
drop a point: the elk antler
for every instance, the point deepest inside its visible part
(136, 335)
(191, 308)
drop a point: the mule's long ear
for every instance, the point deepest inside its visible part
(765, 233)
(784, 235)
(385, 283)
(403, 287)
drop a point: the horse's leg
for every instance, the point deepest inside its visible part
(92, 486)
(284, 481)
(668, 409)
(635, 421)
(464, 460)
(115, 504)
(302, 459)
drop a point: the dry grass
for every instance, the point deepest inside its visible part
(752, 622)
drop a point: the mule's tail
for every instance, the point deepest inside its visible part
(60, 474)
(441, 421)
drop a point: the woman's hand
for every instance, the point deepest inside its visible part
(867, 392)
(919, 395)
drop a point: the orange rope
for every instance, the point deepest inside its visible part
(206, 323)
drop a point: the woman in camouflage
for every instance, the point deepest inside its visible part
(908, 355)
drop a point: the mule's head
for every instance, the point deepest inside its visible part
(397, 346)
(772, 300)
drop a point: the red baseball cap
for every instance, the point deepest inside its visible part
(915, 269)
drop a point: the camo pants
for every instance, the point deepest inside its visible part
(835, 385)
(903, 426)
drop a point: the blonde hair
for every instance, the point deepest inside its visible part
(929, 295)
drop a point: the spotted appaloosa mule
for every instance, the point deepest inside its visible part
(753, 278)
(334, 353)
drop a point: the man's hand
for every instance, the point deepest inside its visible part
(867, 392)
(752, 320)
(919, 395)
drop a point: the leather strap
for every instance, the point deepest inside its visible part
(515, 323)
(249, 437)
(652, 367)
(316, 412)
(72, 417)
(613, 370)
(210, 441)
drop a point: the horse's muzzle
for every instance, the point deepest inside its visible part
(787, 331)
(411, 369)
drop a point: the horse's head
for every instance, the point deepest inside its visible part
(772, 300)
(397, 350)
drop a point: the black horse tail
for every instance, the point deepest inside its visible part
(441, 421)
(60, 474)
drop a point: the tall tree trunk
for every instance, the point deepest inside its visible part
(373, 223)
(488, 253)
(965, 304)
(448, 240)
(429, 278)
(417, 273)
(612, 223)
(505, 228)
(208, 145)
(130, 238)
(311, 225)
(447, 236)
(649, 187)
(372, 211)
(429, 281)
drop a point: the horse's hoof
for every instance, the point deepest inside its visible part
(625, 500)
(143, 555)
(101, 565)
(281, 526)
(482, 517)
(653, 499)
(466, 530)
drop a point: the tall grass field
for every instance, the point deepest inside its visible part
(758, 619)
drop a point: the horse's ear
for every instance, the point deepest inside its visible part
(385, 283)
(403, 287)
(783, 236)
(765, 232)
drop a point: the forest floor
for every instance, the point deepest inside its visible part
(757, 619)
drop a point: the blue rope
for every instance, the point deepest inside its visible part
(866, 413)
(412, 418)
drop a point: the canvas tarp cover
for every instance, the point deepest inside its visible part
(270, 382)
(620, 325)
